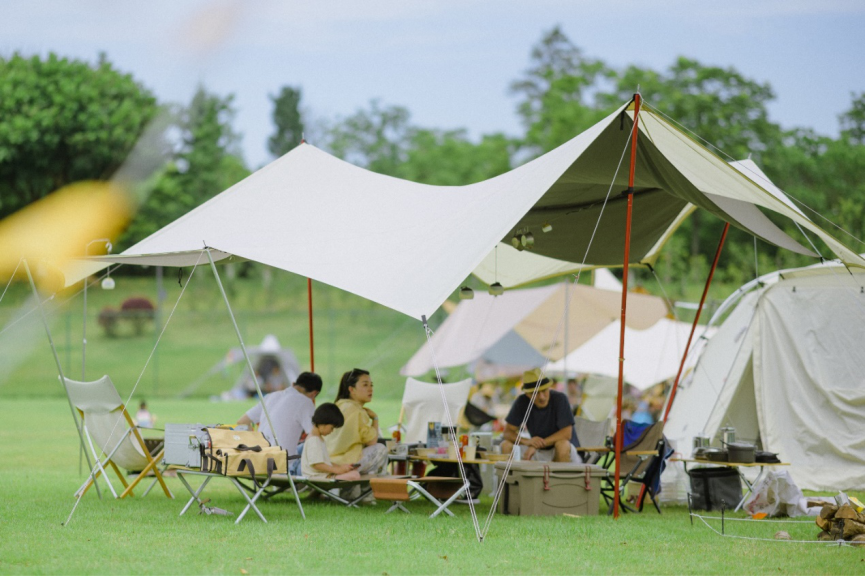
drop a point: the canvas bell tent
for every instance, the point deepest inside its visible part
(785, 369)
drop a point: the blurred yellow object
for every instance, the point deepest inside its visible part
(52, 231)
(856, 503)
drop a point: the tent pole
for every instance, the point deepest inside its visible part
(78, 426)
(252, 372)
(696, 320)
(630, 193)
(311, 345)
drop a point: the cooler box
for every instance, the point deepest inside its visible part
(182, 444)
(550, 488)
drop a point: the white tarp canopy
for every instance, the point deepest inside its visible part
(785, 368)
(652, 355)
(535, 315)
(408, 246)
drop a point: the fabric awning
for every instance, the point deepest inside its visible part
(408, 246)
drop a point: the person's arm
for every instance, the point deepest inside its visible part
(246, 420)
(563, 434)
(333, 468)
(370, 432)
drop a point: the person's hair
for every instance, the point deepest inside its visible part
(349, 380)
(143, 404)
(309, 381)
(328, 413)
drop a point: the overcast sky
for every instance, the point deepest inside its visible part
(450, 62)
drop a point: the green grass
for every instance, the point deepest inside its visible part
(349, 332)
(39, 473)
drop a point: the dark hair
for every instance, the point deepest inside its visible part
(349, 380)
(328, 413)
(309, 381)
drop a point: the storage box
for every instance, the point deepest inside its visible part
(182, 443)
(551, 488)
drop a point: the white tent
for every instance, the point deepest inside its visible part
(277, 368)
(408, 246)
(534, 316)
(785, 368)
(653, 355)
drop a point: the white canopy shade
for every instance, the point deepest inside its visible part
(537, 315)
(652, 356)
(408, 246)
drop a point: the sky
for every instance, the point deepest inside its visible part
(450, 62)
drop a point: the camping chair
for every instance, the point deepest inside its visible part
(422, 403)
(400, 490)
(103, 414)
(638, 455)
(592, 434)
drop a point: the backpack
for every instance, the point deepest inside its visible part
(241, 453)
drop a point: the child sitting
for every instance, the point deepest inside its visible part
(315, 461)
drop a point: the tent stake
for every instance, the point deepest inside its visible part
(696, 320)
(252, 373)
(311, 346)
(78, 427)
(630, 193)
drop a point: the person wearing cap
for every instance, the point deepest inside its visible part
(550, 423)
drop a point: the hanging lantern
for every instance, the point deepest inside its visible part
(547, 227)
(496, 289)
(530, 239)
(466, 293)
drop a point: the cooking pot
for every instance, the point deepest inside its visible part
(741, 452)
(715, 454)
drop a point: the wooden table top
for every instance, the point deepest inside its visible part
(729, 464)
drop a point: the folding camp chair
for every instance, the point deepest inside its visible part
(399, 490)
(108, 426)
(422, 403)
(637, 458)
(592, 434)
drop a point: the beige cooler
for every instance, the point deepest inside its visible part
(547, 489)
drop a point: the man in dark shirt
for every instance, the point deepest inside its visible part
(550, 423)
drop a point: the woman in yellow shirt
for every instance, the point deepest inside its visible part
(357, 440)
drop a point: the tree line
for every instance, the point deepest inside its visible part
(64, 120)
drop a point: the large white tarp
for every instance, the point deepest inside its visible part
(408, 246)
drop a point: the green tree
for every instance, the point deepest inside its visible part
(62, 121)
(205, 163)
(853, 121)
(449, 158)
(287, 119)
(556, 92)
(376, 139)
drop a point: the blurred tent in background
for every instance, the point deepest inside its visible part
(501, 336)
(276, 368)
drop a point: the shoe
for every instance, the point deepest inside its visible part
(369, 500)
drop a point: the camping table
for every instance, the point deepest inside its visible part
(737, 466)
(208, 476)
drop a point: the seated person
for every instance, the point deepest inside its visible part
(550, 423)
(357, 440)
(291, 411)
(315, 461)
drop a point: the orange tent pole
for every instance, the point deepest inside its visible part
(696, 320)
(630, 193)
(311, 344)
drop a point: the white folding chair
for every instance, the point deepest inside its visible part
(593, 435)
(109, 428)
(422, 403)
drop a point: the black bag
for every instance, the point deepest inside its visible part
(452, 470)
(712, 488)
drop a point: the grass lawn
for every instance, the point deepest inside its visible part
(39, 473)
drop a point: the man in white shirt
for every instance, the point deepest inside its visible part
(291, 413)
